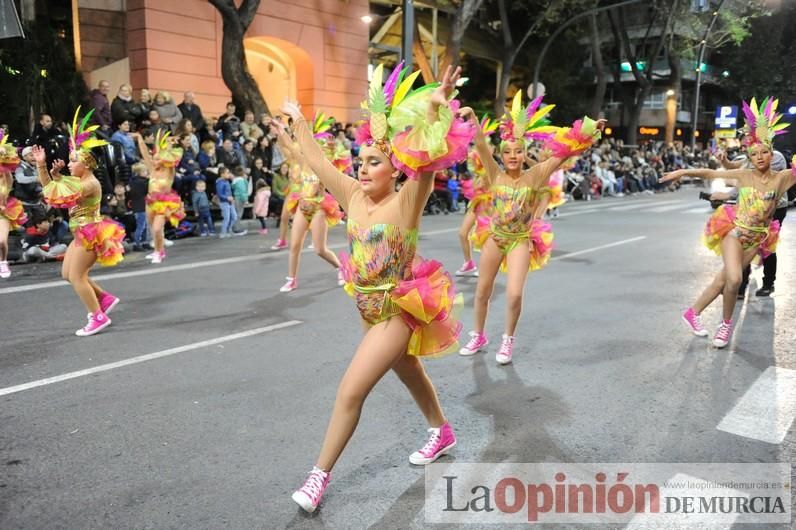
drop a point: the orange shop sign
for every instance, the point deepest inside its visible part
(652, 131)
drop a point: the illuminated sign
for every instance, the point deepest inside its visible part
(649, 130)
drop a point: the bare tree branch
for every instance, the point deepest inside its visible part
(225, 7)
(247, 11)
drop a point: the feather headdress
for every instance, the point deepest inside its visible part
(82, 138)
(9, 159)
(762, 122)
(526, 123)
(165, 151)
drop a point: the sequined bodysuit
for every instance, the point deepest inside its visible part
(381, 256)
(514, 209)
(753, 215)
(86, 211)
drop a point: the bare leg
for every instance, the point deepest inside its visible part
(80, 263)
(5, 228)
(158, 226)
(319, 231)
(517, 263)
(96, 288)
(464, 235)
(489, 266)
(710, 293)
(297, 234)
(284, 222)
(379, 350)
(410, 371)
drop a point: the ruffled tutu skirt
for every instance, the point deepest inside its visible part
(103, 238)
(14, 213)
(62, 193)
(309, 207)
(722, 222)
(427, 302)
(480, 203)
(167, 204)
(540, 239)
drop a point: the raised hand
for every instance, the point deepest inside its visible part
(40, 155)
(467, 113)
(292, 109)
(58, 165)
(447, 84)
(601, 123)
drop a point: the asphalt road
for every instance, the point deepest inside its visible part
(223, 419)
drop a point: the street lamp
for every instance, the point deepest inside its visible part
(792, 110)
(670, 92)
(367, 19)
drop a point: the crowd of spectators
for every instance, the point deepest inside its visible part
(243, 145)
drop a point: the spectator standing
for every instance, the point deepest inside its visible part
(102, 107)
(262, 197)
(27, 188)
(240, 191)
(124, 108)
(453, 188)
(169, 113)
(144, 106)
(120, 211)
(139, 187)
(201, 207)
(191, 111)
(229, 124)
(188, 169)
(264, 150)
(226, 202)
(279, 185)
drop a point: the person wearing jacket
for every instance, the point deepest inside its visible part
(169, 113)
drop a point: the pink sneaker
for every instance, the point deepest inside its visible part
(159, 257)
(694, 323)
(439, 443)
(291, 284)
(107, 302)
(478, 341)
(263, 231)
(506, 349)
(309, 495)
(5, 272)
(723, 334)
(340, 279)
(96, 323)
(468, 269)
(279, 245)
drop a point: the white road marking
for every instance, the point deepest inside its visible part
(146, 357)
(766, 411)
(680, 206)
(639, 206)
(601, 247)
(702, 210)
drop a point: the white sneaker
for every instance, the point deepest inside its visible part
(506, 350)
(151, 255)
(5, 272)
(340, 279)
(160, 257)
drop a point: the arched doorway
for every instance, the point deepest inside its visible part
(281, 70)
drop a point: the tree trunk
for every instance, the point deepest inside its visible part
(599, 69)
(234, 69)
(464, 14)
(503, 84)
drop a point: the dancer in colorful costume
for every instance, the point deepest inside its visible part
(97, 239)
(515, 239)
(162, 202)
(480, 204)
(12, 214)
(741, 233)
(317, 209)
(406, 302)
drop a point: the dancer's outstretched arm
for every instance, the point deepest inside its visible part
(541, 172)
(788, 177)
(146, 156)
(340, 185)
(491, 168)
(741, 175)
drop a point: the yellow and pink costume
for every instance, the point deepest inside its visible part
(161, 199)
(749, 221)
(92, 231)
(387, 279)
(10, 208)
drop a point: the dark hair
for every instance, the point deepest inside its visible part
(230, 103)
(146, 132)
(222, 170)
(260, 184)
(238, 171)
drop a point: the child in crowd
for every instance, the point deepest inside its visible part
(240, 191)
(226, 201)
(262, 197)
(201, 207)
(139, 186)
(41, 241)
(453, 187)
